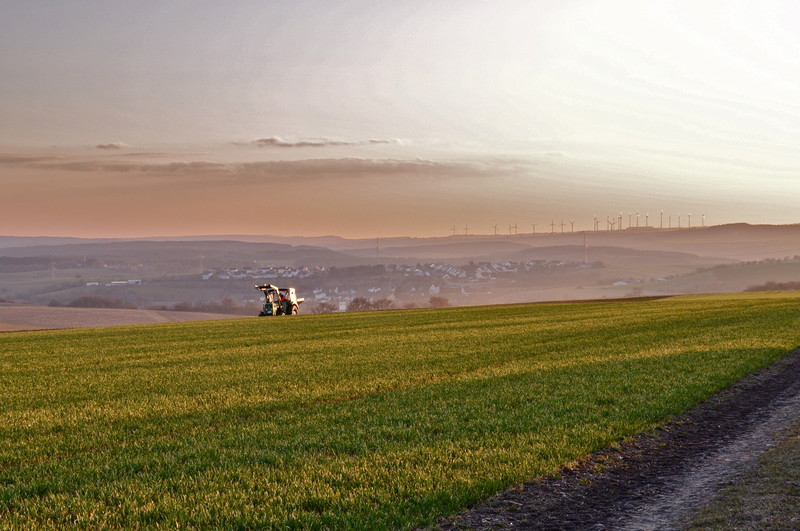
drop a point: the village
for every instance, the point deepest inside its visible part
(400, 283)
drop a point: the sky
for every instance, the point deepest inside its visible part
(402, 118)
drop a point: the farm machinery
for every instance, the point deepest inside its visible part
(279, 301)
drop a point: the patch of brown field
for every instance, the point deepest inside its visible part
(18, 317)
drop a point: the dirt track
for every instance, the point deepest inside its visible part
(14, 317)
(655, 480)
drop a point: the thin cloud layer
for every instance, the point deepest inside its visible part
(313, 142)
(304, 169)
(112, 145)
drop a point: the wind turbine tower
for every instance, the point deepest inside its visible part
(572, 225)
(585, 250)
(495, 230)
(533, 228)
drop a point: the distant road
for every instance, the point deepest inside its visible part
(15, 317)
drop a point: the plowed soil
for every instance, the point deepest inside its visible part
(16, 317)
(655, 480)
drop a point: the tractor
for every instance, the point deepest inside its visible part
(279, 301)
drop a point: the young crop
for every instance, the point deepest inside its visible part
(378, 420)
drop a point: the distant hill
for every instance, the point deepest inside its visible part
(724, 243)
(34, 241)
(181, 254)
(614, 256)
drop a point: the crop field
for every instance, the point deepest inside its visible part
(363, 421)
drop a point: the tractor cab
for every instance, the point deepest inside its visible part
(279, 301)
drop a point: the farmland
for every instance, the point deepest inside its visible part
(378, 420)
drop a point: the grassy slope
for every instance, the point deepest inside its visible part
(362, 420)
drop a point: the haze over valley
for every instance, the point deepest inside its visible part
(217, 275)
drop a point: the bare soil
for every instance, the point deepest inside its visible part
(656, 480)
(17, 317)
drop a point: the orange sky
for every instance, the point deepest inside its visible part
(369, 119)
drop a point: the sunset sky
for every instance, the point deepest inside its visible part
(365, 119)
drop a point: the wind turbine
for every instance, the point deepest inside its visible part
(572, 224)
(454, 230)
(533, 228)
(690, 220)
(552, 226)
(466, 229)
(515, 229)
(596, 223)
(562, 226)
(647, 220)
(495, 230)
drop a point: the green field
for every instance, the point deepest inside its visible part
(374, 420)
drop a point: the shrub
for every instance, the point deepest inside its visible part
(438, 302)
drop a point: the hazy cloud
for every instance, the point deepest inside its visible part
(276, 141)
(280, 142)
(22, 160)
(112, 145)
(172, 168)
(295, 170)
(346, 167)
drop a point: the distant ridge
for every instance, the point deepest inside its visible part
(735, 241)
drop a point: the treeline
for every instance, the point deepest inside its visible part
(359, 271)
(23, 264)
(776, 286)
